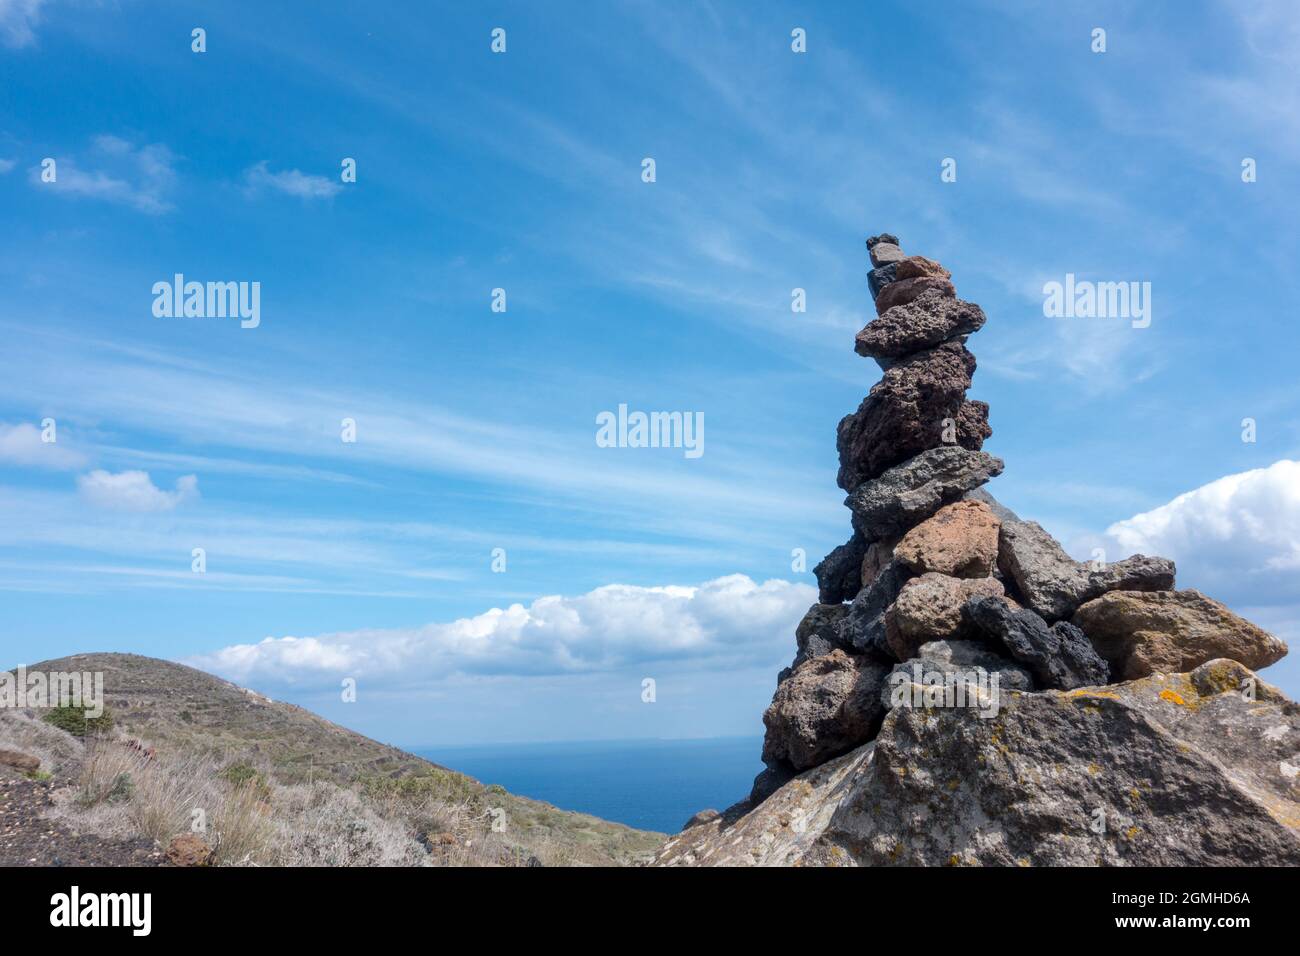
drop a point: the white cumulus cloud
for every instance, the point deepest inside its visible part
(293, 182)
(726, 622)
(1240, 532)
(21, 444)
(141, 177)
(134, 491)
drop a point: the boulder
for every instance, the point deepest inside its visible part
(863, 628)
(907, 494)
(885, 253)
(960, 539)
(957, 658)
(19, 761)
(189, 849)
(704, 816)
(816, 635)
(903, 291)
(913, 267)
(1054, 584)
(877, 557)
(1147, 632)
(877, 279)
(929, 608)
(1153, 772)
(829, 705)
(928, 320)
(1059, 656)
(916, 405)
(839, 574)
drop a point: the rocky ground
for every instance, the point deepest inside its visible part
(965, 692)
(28, 837)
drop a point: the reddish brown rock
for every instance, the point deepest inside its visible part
(1148, 632)
(926, 321)
(918, 403)
(19, 761)
(960, 540)
(914, 267)
(189, 849)
(904, 291)
(929, 608)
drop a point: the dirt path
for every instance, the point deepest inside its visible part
(28, 839)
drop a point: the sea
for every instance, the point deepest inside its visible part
(647, 784)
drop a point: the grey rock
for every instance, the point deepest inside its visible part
(883, 253)
(1002, 511)
(839, 575)
(1170, 774)
(1060, 656)
(966, 660)
(1055, 585)
(928, 320)
(704, 816)
(830, 705)
(907, 494)
(864, 627)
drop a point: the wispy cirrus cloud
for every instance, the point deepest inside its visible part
(18, 21)
(258, 179)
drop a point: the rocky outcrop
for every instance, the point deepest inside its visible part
(1170, 770)
(1143, 633)
(1054, 584)
(828, 706)
(960, 540)
(965, 691)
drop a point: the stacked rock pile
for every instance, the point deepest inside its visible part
(938, 577)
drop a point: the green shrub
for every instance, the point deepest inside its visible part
(73, 720)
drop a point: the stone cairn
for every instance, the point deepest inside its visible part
(939, 578)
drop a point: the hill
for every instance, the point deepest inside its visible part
(176, 729)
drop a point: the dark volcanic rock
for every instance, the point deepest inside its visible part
(817, 634)
(928, 320)
(829, 705)
(908, 411)
(772, 778)
(864, 627)
(907, 494)
(839, 575)
(880, 277)
(956, 658)
(883, 237)
(1054, 584)
(1060, 656)
(903, 291)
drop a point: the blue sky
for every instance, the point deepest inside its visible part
(475, 428)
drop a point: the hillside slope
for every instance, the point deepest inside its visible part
(190, 716)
